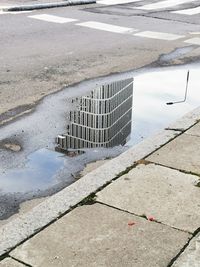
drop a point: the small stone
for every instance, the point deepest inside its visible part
(12, 147)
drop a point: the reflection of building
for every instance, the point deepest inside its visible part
(103, 118)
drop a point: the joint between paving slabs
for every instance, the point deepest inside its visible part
(2, 257)
(36, 231)
(182, 130)
(196, 232)
(91, 199)
(7, 256)
(182, 171)
(175, 130)
(22, 262)
(146, 218)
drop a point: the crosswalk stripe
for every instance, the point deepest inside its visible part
(51, 18)
(194, 41)
(116, 2)
(159, 35)
(164, 4)
(195, 33)
(190, 11)
(106, 27)
(14, 12)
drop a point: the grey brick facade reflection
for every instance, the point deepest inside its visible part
(103, 118)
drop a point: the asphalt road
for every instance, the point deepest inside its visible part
(40, 55)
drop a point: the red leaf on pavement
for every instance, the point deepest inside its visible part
(151, 219)
(131, 223)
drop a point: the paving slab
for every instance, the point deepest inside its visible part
(195, 130)
(186, 121)
(191, 255)
(182, 153)
(9, 262)
(98, 235)
(167, 195)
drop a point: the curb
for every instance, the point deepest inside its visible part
(46, 5)
(30, 223)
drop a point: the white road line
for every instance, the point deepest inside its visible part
(51, 18)
(14, 12)
(116, 2)
(159, 35)
(195, 41)
(195, 33)
(106, 27)
(190, 11)
(164, 4)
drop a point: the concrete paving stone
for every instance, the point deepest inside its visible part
(186, 121)
(182, 153)
(9, 262)
(97, 235)
(191, 255)
(167, 195)
(195, 130)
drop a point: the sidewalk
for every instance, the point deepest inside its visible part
(23, 5)
(145, 210)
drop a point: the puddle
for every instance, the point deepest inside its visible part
(38, 170)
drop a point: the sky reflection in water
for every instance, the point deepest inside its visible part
(38, 173)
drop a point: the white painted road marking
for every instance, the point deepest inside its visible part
(164, 4)
(116, 2)
(195, 33)
(14, 12)
(190, 11)
(195, 41)
(51, 18)
(106, 27)
(159, 35)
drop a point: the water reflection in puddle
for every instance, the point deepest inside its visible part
(39, 172)
(102, 118)
(28, 171)
(151, 93)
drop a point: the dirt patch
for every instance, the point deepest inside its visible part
(11, 145)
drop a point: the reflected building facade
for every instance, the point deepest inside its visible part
(102, 119)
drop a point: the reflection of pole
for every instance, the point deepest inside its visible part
(186, 89)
